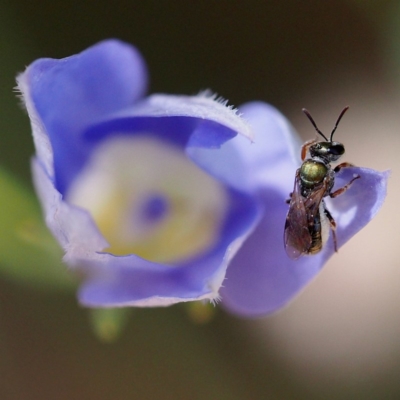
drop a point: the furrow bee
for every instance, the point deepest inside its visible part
(308, 221)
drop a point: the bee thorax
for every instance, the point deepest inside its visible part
(312, 172)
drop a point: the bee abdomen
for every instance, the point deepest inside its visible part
(316, 244)
(316, 236)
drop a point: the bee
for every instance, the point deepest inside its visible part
(309, 222)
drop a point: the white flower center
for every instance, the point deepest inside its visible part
(147, 198)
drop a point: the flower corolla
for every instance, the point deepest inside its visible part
(164, 199)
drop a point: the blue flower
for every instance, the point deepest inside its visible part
(164, 199)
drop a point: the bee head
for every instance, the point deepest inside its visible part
(329, 151)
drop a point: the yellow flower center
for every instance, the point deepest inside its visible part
(147, 198)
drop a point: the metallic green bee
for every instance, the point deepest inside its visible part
(308, 221)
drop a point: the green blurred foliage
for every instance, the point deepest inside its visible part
(29, 253)
(391, 34)
(16, 145)
(108, 323)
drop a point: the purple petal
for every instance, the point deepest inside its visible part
(64, 96)
(185, 121)
(261, 278)
(270, 160)
(357, 206)
(77, 90)
(73, 227)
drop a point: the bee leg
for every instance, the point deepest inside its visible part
(343, 165)
(305, 148)
(332, 224)
(289, 199)
(344, 188)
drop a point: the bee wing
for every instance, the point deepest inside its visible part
(297, 236)
(313, 201)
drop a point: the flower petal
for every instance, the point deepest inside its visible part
(261, 278)
(204, 106)
(270, 160)
(186, 121)
(64, 96)
(73, 227)
(358, 205)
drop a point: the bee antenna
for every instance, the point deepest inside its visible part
(338, 120)
(315, 125)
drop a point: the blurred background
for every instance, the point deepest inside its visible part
(340, 339)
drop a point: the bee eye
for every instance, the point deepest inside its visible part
(337, 149)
